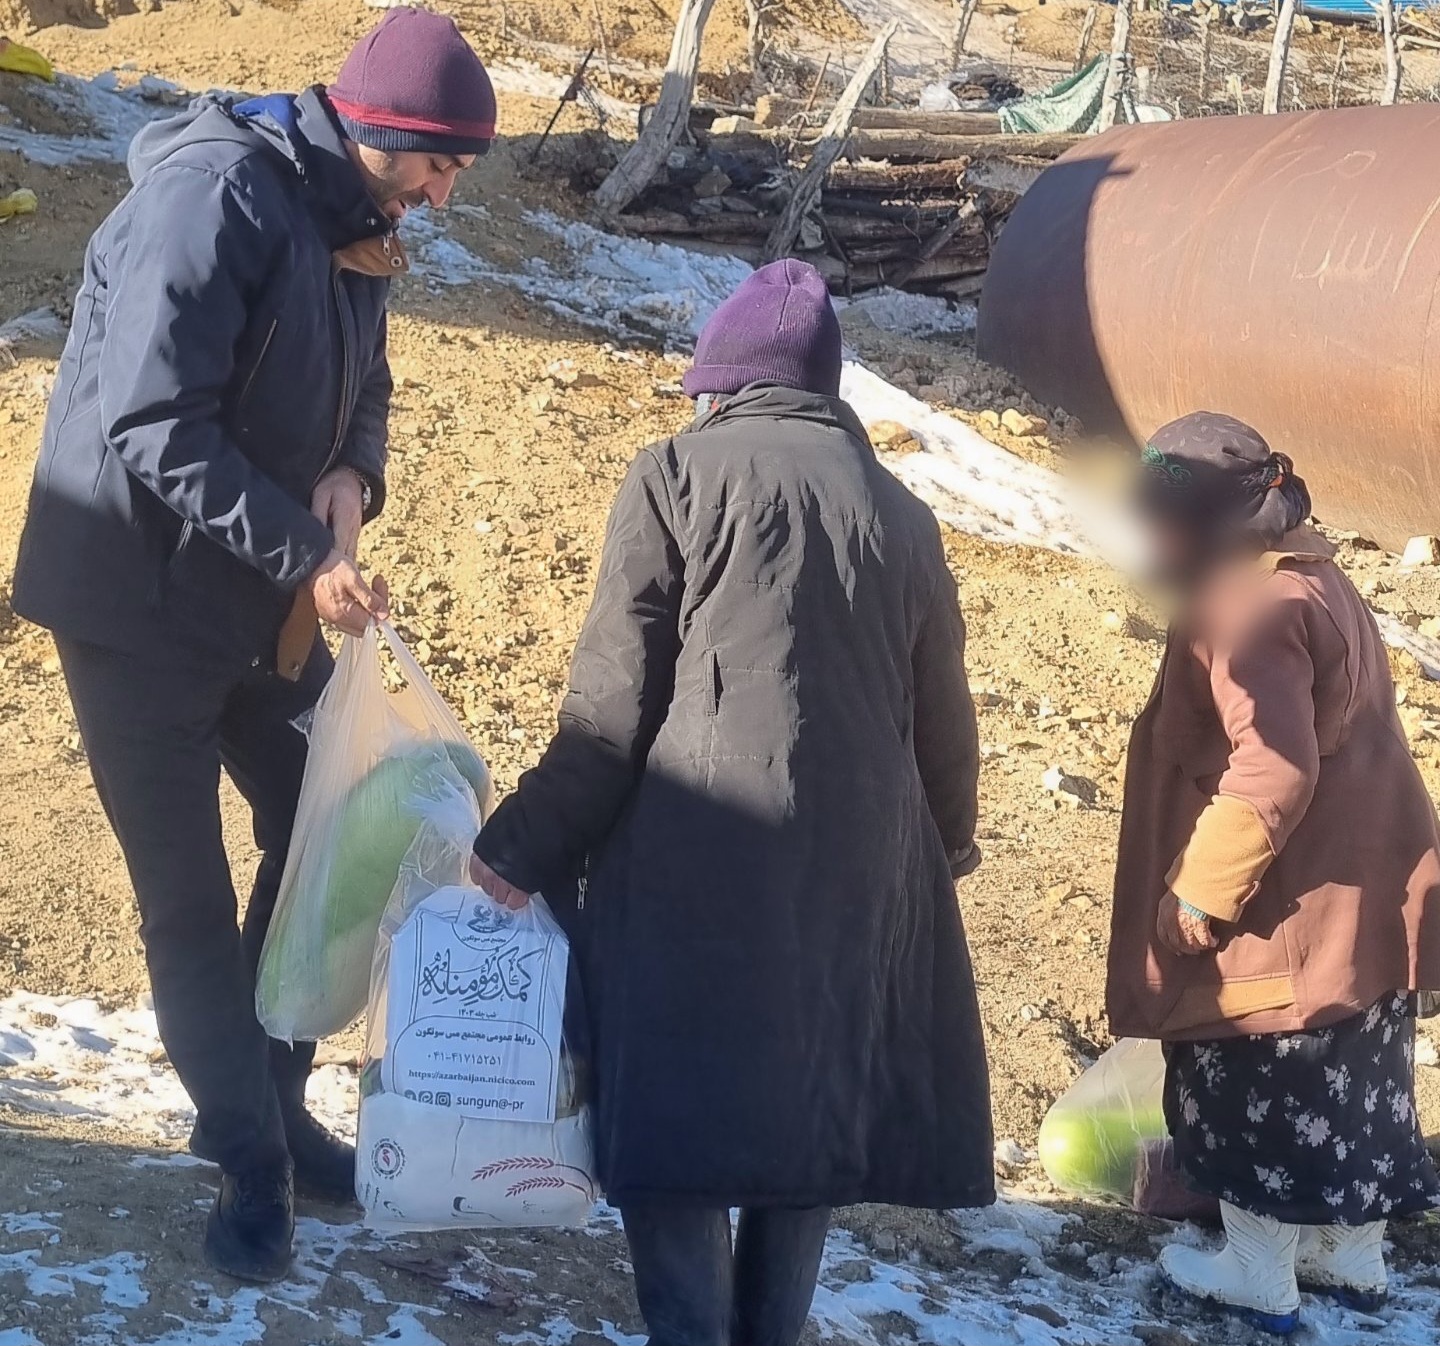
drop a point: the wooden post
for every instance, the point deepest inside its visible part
(819, 80)
(1118, 75)
(1336, 73)
(1390, 90)
(604, 44)
(831, 143)
(1206, 29)
(757, 14)
(1279, 55)
(962, 32)
(1087, 30)
(662, 131)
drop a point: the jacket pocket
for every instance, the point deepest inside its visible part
(714, 688)
(255, 368)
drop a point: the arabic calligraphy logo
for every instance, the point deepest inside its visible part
(501, 976)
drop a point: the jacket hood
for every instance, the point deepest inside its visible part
(299, 129)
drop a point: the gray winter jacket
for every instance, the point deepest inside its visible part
(768, 754)
(218, 363)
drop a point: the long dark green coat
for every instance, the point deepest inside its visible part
(768, 754)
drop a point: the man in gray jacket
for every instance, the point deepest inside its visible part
(215, 441)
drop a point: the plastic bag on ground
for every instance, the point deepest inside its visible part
(375, 757)
(472, 1106)
(1093, 1138)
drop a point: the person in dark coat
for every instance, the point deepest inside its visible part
(215, 440)
(765, 778)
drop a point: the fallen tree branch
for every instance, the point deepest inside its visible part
(832, 143)
(662, 131)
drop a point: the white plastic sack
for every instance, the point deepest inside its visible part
(375, 756)
(1093, 1139)
(472, 1113)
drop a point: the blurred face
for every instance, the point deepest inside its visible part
(1174, 556)
(400, 180)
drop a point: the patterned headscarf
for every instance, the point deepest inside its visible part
(1220, 477)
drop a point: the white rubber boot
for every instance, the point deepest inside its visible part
(1254, 1272)
(1345, 1261)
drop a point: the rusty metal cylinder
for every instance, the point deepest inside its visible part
(1282, 269)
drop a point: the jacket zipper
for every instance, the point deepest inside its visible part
(255, 372)
(344, 378)
(583, 887)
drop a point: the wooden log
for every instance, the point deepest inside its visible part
(1082, 49)
(1390, 90)
(898, 234)
(1117, 75)
(832, 142)
(943, 175)
(967, 287)
(662, 131)
(773, 112)
(904, 255)
(926, 210)
(919, 145)
(1279, 56)
(962, 32)
(942, 240)
(871, 275)
(1014, 177)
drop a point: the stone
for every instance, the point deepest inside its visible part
(1073, 790)
(1421, 551)
(1023, 426)
(890, 436)
(715, 183)
(989, 420)
(1057, 894)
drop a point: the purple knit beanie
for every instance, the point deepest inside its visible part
(414, 83)
(778, 327)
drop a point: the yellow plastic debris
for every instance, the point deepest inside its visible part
(24, 60)
(21, 202)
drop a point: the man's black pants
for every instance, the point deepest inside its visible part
(697, 1288)
(157, 732)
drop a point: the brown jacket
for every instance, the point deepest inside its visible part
(1269, 784)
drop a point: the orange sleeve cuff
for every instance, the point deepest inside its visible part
(1224, 860)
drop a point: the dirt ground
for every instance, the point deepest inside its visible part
(500, 483)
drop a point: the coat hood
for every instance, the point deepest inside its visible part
(300, 130)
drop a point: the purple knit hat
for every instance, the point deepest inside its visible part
(414, 83)
(778, 327)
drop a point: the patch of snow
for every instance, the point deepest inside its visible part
(916, 315)
(405, 1326)
(117, 1277)
(109, 117)
(525, 77)
(73, 1059)
(624, 286)
(972, 484)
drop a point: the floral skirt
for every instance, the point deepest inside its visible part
(1316, 1127)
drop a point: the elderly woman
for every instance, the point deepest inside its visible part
(765, 775)
(1277, 895)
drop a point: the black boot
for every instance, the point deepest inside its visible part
(252, 1224)
(324, 1164)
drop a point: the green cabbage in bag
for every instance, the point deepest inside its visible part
(376, 757)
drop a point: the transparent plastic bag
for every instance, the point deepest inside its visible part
(472, 1095)
(375, 755)
(1093, 1140)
